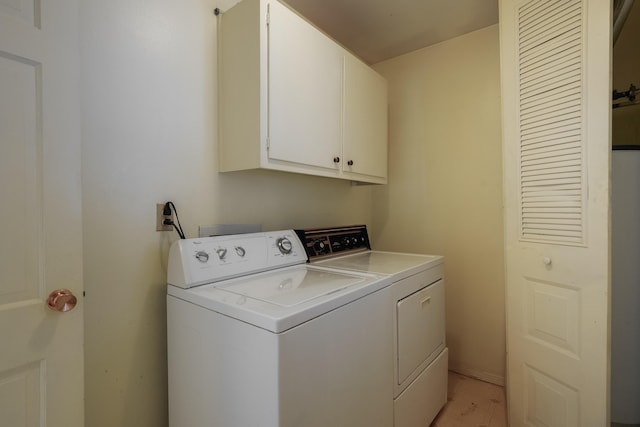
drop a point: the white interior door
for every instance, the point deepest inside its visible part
(41, 360)
(556, 121)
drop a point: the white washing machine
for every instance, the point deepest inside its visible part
(417, 292)
(258, 337)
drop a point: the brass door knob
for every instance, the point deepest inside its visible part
(62, 300)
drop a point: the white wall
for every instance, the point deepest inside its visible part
(445, 186)
(149, 135)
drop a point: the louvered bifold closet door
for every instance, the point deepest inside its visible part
(550, 60)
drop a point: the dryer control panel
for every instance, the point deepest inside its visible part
(326, 242)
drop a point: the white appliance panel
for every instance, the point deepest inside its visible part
(625, 287)
(337, 366)
(326, 372)
(411, 408)
(218, 367)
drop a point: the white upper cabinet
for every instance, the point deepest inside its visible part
(292, 99)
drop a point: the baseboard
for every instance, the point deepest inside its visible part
(482, 376)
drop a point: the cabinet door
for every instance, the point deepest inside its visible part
(365, 120)
(305, 92)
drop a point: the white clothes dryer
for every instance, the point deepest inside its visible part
(418, 304)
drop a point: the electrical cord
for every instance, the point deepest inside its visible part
(166, 211)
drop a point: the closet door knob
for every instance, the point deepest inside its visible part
(350, 162)
(336, 160)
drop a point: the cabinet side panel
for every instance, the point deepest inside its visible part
(239, 86)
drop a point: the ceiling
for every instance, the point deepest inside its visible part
(376, 30)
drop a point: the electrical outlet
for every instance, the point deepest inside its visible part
(160, 218)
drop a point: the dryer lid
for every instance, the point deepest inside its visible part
(382, 262)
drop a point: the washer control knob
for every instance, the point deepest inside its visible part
(284, 245)
(240, 251)
(222, 252)
(202, 256)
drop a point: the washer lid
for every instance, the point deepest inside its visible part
(281, 299)
(292, 287)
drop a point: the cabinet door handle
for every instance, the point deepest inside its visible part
(350, 162)
(426, 300)
(336, 160)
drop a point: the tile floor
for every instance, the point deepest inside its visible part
(472, 403)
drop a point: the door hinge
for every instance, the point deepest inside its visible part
(268, 144)
(268, 15)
